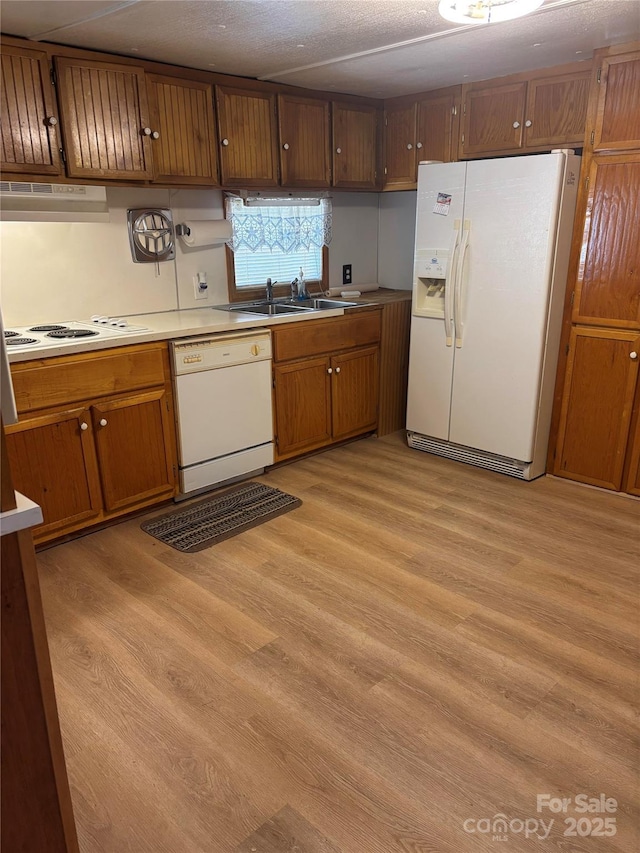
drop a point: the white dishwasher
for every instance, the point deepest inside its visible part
(223, 407)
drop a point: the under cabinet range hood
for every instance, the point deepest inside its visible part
(39, 202)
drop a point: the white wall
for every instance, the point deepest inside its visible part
(52, 271)
(396, 235)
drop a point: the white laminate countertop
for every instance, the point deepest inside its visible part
(169, 325)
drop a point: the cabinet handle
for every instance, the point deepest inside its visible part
(418, 144)
(286, 146)
(516, 124)
(329, 369)
(52, 121)
(103, 421)
(633, 355)
(528, 123)
(409, 146)
(225, 141)
(338, 369)
(84, 426)
(338, 150)
(146, 131)
(155, 135)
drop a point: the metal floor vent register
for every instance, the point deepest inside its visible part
(206, 522)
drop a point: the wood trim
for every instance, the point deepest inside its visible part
(394, 366)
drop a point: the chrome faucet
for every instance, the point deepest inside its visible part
(270, 289)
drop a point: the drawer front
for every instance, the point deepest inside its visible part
(62, 380)
(317, 337)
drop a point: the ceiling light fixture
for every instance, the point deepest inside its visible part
(485, 11)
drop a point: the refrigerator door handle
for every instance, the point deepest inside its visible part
(450, 284)
(457, 293)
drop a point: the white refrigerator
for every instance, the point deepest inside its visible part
(490, 268)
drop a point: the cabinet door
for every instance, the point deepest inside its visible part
(304, 142)
(435, 125)
(354, 146)
(28, 115)
(492, 118)
(302, 405)
(53, 462)
(400, 169)
(184, 150)
(134, 440)
(557, 110)
(608, 282)
(618, 112)
(104, 114)
(354, 392)
(248, 137)
(600, 385)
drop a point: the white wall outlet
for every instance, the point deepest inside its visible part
(200, 286)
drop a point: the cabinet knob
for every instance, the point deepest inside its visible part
(409, 146)
(255, 349)
(225, 142)
(155, 135)
(528, 123)
(338, 150)
(418, 144)
(52, 121)
(103, 421)
(633, 355)
(286, 146)
(84, 426)
(329, 369)
(516, 124)
(338, 369)
(146, 131)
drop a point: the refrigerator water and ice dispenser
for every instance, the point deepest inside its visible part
(431, 271)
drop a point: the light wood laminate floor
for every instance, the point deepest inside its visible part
(419, 647)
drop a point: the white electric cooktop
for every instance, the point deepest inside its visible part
(42, 335)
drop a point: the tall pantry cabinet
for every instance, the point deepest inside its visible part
(598, 416)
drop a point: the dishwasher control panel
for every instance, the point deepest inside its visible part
(217, 351)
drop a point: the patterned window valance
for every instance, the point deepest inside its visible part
(279, 223)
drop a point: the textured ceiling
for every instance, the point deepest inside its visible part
(365, 47)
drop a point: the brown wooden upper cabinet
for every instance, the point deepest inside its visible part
(556, 110)
(247, 137)
(617, 122)
(182, 130)
(545, 111)
(602, 375)
(29, 116)
(355, 128)
(608, 282)
(305, 157)
(492, 118)
(421, 129)
(105, 119)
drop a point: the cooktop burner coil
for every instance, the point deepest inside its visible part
(20, 342)
(46, 328)
(72, 333)
(9, 333)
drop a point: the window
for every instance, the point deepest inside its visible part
(275, 238)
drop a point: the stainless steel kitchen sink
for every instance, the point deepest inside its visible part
(287, 306)
(319, 304)
(268, 308)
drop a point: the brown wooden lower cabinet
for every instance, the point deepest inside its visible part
(54, 463)
(600, 387)
(632, 469)
(99, 458)
(326, 381)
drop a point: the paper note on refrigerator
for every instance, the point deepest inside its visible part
(443, 204)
